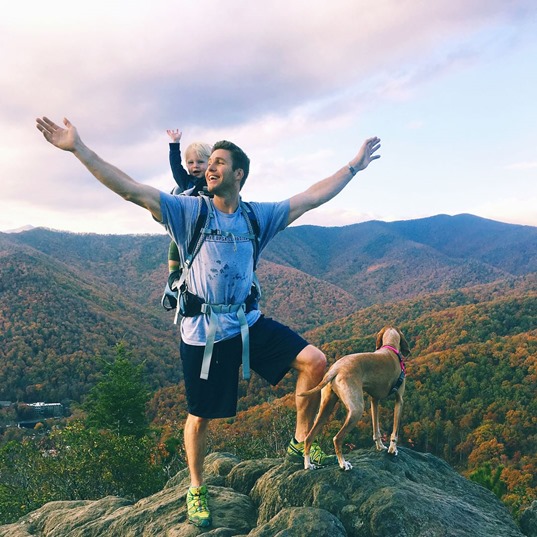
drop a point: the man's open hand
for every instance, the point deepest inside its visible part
(366, 154)
(65, 139)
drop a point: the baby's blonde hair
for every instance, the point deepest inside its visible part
(200, 149)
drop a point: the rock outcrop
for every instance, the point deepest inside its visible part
(411, 495)
(528, 521)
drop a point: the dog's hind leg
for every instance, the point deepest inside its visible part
(328, 401)
(397, 412)
(355, 410)
(376, 427)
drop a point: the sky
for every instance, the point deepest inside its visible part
(450, 87)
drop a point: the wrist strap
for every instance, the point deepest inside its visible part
(352, 170)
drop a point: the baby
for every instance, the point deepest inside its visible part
(190, 182)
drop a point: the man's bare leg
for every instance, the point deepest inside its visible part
(197, 496)
(195, 434)
(311, 366)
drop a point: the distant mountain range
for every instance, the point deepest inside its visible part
(66, 297)
(19, 229)
(463, 290)
(378, 262)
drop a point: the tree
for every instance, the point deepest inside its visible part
(489, 478)
(118, 401)
(76, 463)
(111, 454)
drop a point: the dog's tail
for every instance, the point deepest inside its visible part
(329, 377)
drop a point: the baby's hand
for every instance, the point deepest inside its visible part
(175, 135)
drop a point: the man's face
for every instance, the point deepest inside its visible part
(195, 164)
(219, 175)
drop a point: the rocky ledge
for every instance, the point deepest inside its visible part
(411, 495)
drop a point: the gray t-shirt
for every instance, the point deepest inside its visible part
(222, 271)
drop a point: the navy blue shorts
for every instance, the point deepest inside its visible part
(273, 347)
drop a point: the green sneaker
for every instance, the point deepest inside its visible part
(295, 453)
(198, 510)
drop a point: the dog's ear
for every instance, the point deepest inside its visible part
(380, 336)
(405, 349)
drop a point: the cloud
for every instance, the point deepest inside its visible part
(514, 209)
(281, 78)
(130, 69)
(332, 217)
(522, 166)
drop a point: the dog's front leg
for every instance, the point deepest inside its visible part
(376, 427)
(398, 408)
(392, 450)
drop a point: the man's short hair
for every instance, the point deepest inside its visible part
(239, 159)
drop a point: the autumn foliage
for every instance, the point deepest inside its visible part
(464, 292)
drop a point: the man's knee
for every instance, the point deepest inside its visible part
(312, 360)
(196, 423)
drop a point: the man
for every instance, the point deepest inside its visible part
(221, 275)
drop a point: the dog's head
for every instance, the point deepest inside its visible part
(390, 335)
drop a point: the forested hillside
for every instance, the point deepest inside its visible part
(56, 321)
(470, 397)
(378, 262)
(463, 290)
(65, 297)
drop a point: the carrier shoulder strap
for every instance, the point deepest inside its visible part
(253, 227)
(205, 212)
(201, 222)
(202, 228)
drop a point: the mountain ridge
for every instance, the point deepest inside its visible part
(126, 274)
(65, 299)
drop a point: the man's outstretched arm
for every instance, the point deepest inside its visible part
(328, 188)
(113, 178)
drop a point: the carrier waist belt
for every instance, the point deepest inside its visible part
(212, 310)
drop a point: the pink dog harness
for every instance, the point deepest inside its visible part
(399, 381)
